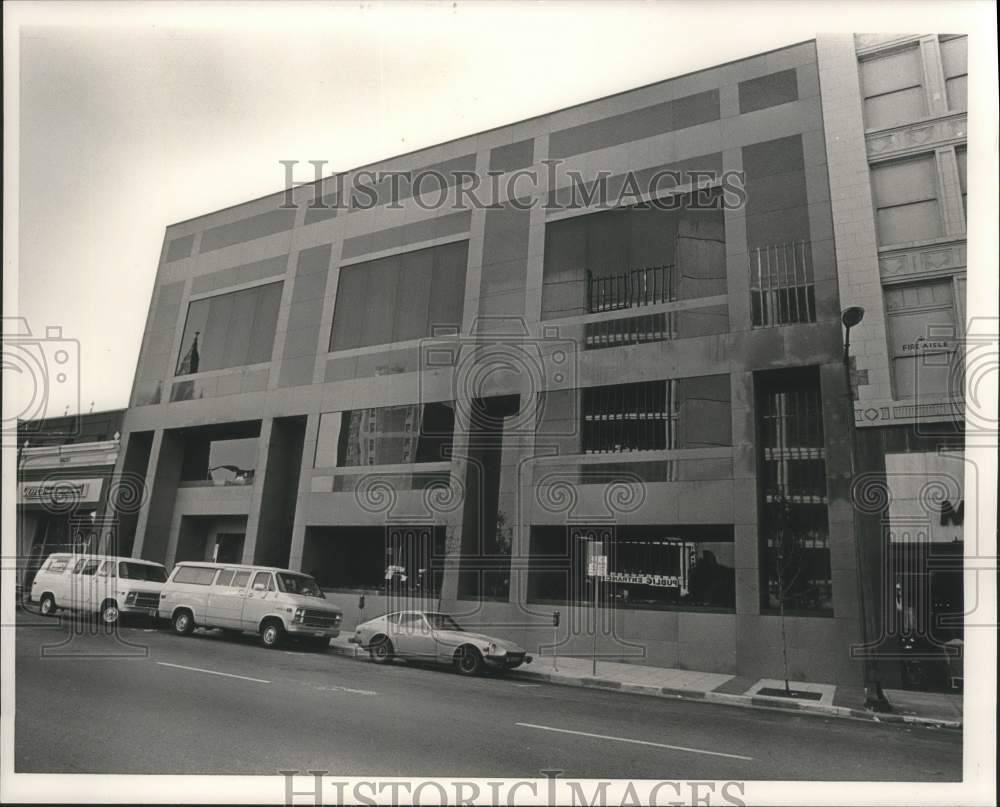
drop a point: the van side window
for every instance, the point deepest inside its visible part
(57, 565)
(90, 567)
(105, 569)
(79, 565)
(241, 579)
(199, 575)
(225, 577)
(264, 578)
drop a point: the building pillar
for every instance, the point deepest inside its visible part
(297, 549)
(934, 88)
(257, 497)
(155, 516)
(858, 277)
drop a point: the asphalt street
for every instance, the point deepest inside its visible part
(146, 701)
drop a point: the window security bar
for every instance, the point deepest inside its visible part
(782, 289)
(647, 286)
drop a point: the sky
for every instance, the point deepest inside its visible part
(134, 116)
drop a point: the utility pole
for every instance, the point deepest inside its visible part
(875, 699)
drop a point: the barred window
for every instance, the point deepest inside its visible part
(795, 553)
(657, 415)
(782, 291)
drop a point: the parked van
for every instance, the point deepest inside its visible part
(273, 603)
(105, 584)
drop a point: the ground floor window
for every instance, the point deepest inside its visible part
(404, 560)
(648, 566)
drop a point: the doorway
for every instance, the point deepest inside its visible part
(228, 547)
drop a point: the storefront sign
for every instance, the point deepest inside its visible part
(658, 580)
(59, 492)
(927, 497)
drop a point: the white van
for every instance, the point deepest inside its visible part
(273, 603)
(104, 584)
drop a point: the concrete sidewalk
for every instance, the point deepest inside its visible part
(921, 708)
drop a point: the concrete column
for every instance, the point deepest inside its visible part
(952, 210)
(257, 498)
(934, 88)
(305, 481)
(851, 205)
(153, 526)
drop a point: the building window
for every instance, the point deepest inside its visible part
(955, 61)
(893, 89)
(657, 415)
(401, 297)
(399, 560)
(412, 433)
(648, 566)
(795, 553)
(781, 285)
(923, 333)
(634, 256)
(230, 330)
(906, 201)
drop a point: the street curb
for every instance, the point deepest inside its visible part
(726, 699)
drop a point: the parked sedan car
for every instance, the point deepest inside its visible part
(432, 636)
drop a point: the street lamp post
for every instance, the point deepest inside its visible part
(875, 699)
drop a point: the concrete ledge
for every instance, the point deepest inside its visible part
(743, 701)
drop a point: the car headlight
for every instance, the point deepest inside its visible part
(299, 614)
(130, 598)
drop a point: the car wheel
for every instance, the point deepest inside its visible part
(110, 613)
(47, 606)
(468, 661)
(381, 650)
(271, 634)
(183, 623)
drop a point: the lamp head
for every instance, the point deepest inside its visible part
(852, 316)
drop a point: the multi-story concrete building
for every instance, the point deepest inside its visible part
(634, 351)
(898, 187)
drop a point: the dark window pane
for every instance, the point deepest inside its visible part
(230, 330)
(388, 435)
(447, 301)
(265, 320)
(349, 312)
(416, 275)
(380, 301)
(401, 297)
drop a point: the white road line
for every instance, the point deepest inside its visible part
(636, 742)
(527, 685)
(213, 672)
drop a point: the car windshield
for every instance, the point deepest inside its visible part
(142, 571)
(442, 622)
(299, 584)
